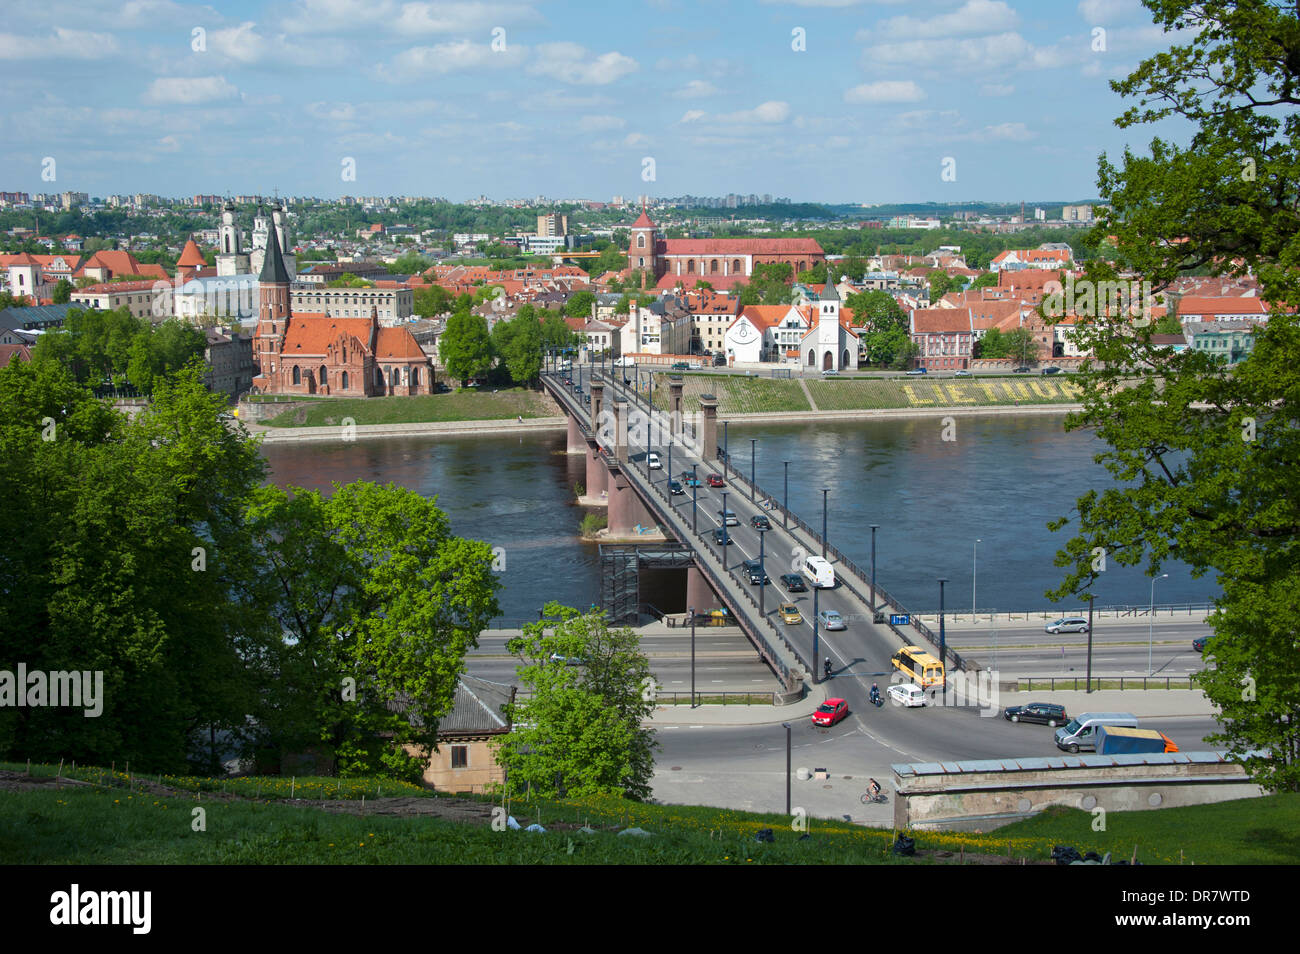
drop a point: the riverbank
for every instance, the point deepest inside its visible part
(279, 435)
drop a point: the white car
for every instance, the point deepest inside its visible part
(654, 462)
(906, 694)
(1067, 624)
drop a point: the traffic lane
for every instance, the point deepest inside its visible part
(1116, 660)
(1165, 631)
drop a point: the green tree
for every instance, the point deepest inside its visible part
(877, 309)
(432, 301)
(367, 585)
(348, 280)
(1208, 458)
(940, 284)
(409, 263)
(556, 335)
(465, 347)
(581, 731)
(518, 343)
(62, 292)
(986, 280)
(579, 304)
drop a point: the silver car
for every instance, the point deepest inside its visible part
(831, 620)
(1068, 624)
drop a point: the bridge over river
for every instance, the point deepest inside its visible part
(617, 430)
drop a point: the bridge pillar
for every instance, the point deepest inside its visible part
(709, 426)
(622, 502)
(699, 593)
(675, 404)
(620, 433)
(597, 475)
(577, 443)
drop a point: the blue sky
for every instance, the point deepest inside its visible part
(568, 99)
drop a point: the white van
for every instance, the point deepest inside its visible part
(652, 460)
(906, 694)
(1081, 731)
(819, 572)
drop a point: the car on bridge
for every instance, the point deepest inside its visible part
(830, 712)
(721, 537)
(729, 518)
(755, 573)
(831, 620)
(675, 488)
(690, 480)
(653, 461)
(1067, 624)
(760, 522)
(789, 613)
(715, 480)
(1044, 713)
(794, 582)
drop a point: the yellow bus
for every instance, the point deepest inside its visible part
(924, 669)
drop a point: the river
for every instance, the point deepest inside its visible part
(999, 480)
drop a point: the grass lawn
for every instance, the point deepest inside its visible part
(468, 405)
(736, 394)
(849, 394)
(114, 823)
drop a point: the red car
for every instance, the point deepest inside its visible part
(830, 712)
(715, 480)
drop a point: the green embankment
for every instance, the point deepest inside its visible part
(739, 394)
(421, 408)
(112, 821)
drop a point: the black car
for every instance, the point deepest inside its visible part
(1021, 370)
(1047, 713)
(719, 360)
(1201, 642)
(793, 582)
(1052, 370)
(721, 537)
(674, 487)
(760, 522)
(754, 572)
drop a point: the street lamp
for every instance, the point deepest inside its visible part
(762, 571)
(1151, 622)
(726, 535)
(726, 457)
(753, 454)
(873, 566)
(973, 551)
(787, 766)
(816, 623)
(943, 644)
(785, 515)
(825, 491)
(695, 502)
(692, 657)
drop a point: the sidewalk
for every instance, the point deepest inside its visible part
(736, 715)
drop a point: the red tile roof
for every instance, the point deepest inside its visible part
(936, 321)
(738, 246)
(396, 344)
(1191, 305)
(191, 256)
(311, 335)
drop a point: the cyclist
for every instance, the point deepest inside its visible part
(873, 787)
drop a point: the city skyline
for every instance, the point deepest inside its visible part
(821, 100)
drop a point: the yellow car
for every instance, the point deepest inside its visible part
(790, 613)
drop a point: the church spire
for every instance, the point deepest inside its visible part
(273, 270)
(829, 293)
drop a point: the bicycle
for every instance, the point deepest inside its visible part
(879, 798)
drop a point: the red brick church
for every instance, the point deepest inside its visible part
(322, 354)
(721, 262)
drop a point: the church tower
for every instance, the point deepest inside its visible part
(280, 222)
(231, 259)
(828, 324)
(273, 314)
(641, 249)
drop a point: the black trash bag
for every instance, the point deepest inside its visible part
(1091, 856)
(1066, 854)
(765, 834)
(904, 846)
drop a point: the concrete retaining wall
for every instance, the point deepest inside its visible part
(980, 796)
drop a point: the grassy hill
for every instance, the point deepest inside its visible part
(106, 818)
(468, 405)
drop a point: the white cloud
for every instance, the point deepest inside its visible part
(886, 91)
(64, 44)
(1101, 12)
(574, 63)
(999, 52)
(443, 58)
(997, 89)
(244, 44)
(635, 139)
(696, 89)
(190, 90)
(773, 111)
(424, 18)
(169, 144)
(593, 123)
(972, 17)
(332, 112)
(692, 115)
(1003, 132)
